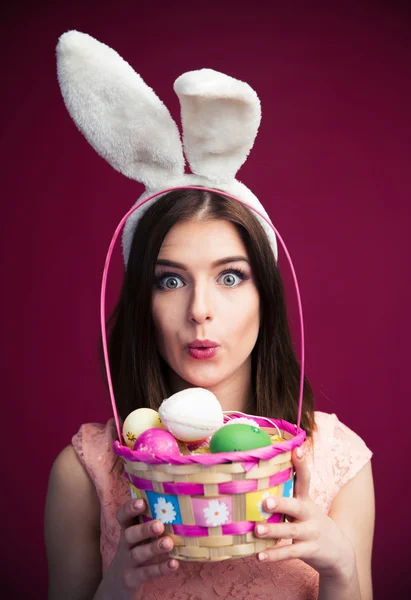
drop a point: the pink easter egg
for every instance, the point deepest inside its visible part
(157, 441)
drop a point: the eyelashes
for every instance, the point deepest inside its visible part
(160, 276)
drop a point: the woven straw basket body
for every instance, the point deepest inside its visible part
(210, 510)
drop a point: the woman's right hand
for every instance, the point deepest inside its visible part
(139, 557)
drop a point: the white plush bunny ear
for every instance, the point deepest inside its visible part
(220, 117)
(121, 117)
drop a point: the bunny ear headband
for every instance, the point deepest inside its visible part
(129, 126)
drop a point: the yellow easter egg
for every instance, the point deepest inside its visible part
(139, 421)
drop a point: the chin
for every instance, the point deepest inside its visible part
(203, 380)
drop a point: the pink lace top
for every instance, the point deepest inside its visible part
(337, 456)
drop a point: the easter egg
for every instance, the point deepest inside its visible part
(138, 421)
(239, 437)
(191, 415)
(157, 441)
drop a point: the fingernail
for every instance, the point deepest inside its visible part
(262, 529)
(172, 564)
(262, 556)
(299, 453)
(165, 544)
(138, 504)
(156, 527)
(270, 503)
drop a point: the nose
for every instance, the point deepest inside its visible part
(200, 304)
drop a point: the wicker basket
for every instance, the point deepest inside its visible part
(210, 503)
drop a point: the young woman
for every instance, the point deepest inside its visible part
(201, 268)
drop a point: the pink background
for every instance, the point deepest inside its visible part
(332, 165)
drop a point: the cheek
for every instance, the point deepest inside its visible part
(166, 317)
(244, 316)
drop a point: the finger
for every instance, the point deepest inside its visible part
(134, 534)
(293, 507)
(284, 531)
(302, 474)
(301, 550)
(159, 569)
(129, 511)
(151, 552)
(134, 577)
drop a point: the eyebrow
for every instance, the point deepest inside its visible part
(216, 263)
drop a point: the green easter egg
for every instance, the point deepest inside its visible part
(241, 437)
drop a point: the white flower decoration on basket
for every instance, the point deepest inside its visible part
(164, 511)
(216, 513)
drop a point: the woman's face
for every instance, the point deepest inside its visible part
(205, 290)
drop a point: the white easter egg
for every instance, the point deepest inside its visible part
(191, 415)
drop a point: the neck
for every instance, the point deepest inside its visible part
(234, 393)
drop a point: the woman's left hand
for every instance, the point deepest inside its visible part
(316, 538)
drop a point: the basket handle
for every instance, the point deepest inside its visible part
(104, 285)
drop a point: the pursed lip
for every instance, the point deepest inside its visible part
(202, 344)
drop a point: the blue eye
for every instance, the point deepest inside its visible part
(232, 278)
(169, 282)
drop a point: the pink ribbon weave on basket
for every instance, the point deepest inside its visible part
(231, 529)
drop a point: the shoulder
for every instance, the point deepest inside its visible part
(328, 425)
(70, 487)
(346, 452)
(326, 422)
(67, 464)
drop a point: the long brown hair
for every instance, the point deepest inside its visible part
(137, 370)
